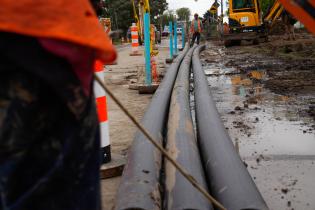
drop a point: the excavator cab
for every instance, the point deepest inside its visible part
(245, 22)
(244, 16)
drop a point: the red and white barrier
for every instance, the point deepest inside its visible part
(101, 105)
(134, 40)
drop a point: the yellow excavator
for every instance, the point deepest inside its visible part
(246, 21)
(135, 15)
(144, 6)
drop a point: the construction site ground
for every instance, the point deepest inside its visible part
(266, 96)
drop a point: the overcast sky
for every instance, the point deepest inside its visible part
(199, 6)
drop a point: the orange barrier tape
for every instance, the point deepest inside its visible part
(98, 66)
(101, 109)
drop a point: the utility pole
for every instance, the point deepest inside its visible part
(222, 11)
(161, 26)
(216, 4)
(116, 21)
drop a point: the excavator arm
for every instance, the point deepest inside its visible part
(273, 13)
(135, 14)
(136, 17)
(146, 5)
(302, 10)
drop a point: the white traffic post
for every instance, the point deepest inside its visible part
(101, 105)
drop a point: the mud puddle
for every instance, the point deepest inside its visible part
(274, 132)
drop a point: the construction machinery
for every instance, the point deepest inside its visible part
(137, 20)
(246, 21)
(144, 7)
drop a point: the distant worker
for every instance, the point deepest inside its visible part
(288, 21)
(195, 30)
(49, 136)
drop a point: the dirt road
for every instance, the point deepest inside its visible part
(266, 96)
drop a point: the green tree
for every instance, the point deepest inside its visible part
(167, 17)
(157, 9)
(121, 12)
(183, 14)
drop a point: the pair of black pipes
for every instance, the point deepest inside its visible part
(228, 180)
(140, 185)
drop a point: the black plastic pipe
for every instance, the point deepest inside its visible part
(140, 184)
(182, 145)
(230, 182)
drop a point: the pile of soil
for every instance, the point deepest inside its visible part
(290, 65)
(278, 28)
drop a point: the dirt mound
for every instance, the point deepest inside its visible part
(277, 29)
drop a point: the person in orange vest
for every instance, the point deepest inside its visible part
(195, 30)
(49, 136)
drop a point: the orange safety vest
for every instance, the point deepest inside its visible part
(73, 21)
(226, 29)
(192, 27)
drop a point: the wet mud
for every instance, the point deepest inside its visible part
(266, 97)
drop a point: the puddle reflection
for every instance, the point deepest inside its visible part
(281, 128)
